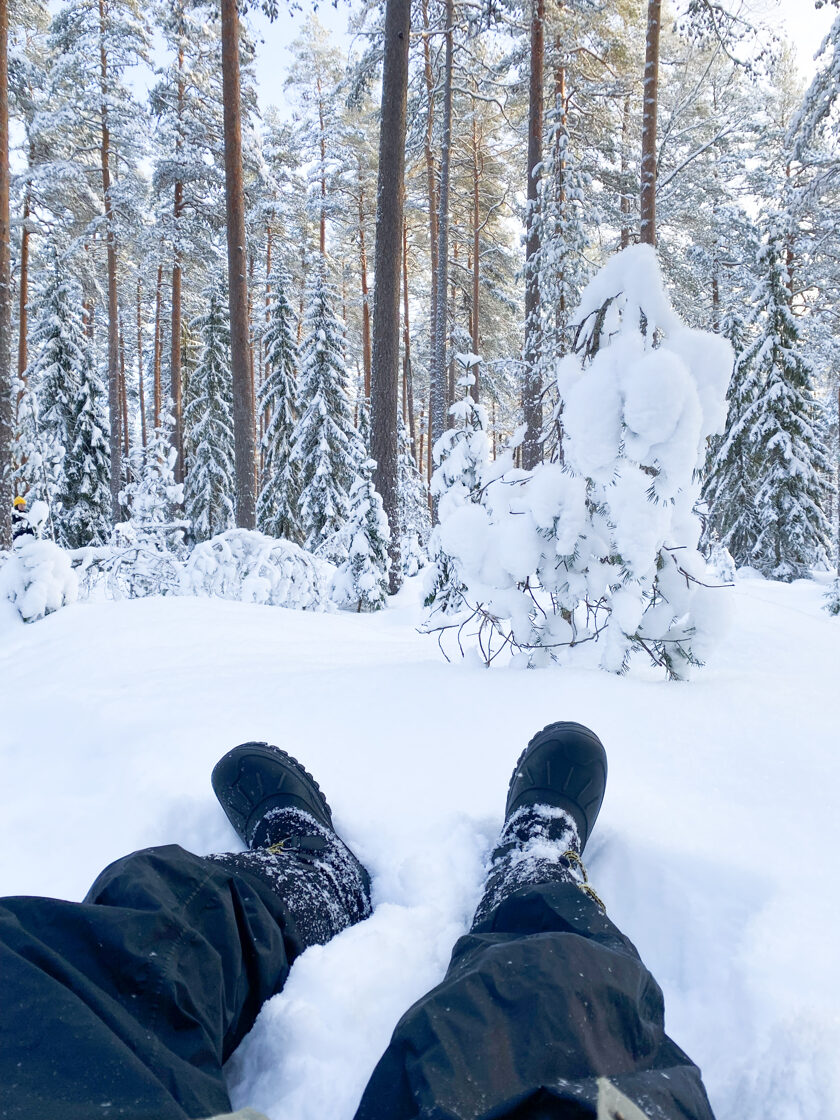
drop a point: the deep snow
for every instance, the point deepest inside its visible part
(717, 850)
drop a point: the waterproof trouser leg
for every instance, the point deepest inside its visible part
(546, 1012)
(127, 1004)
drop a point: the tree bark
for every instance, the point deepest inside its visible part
(5, 292)
(649, 117)
(123, 394)
(113, 305)
(366, 342)
(531, 387)
(384, 390)
(23, 287)
(408, 387)
(476, 247)
(243, 391)
(439, 387)
(143, 434)
(624, 199)
(433, 204)
(158, 403)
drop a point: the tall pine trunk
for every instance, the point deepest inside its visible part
(531, 387)
(5, 293)
(649, 116)
(476, 253)
(156, 360)
(432, 199)
(175, 378)
(114, 412)
(439, 387)
(366, 340)
(384, 393)
(408, 386)
(624, 200)
(243, 390)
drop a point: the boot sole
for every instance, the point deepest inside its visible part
(239, 807)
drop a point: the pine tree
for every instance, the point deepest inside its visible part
(279, 499)
(87, 492)
(326, 442)
(363, 577)
(208, 425)
(783, 420)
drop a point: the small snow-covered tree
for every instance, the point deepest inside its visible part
(461, 455)
(326, 443)
(279, 499)
(792, 464)
(153, 496)
(600, 553)
(362, 580)
(414, 518)
(86, 495)
(208, 425)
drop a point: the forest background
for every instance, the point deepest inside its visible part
(218, 312)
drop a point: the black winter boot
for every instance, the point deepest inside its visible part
(279, 811)
(554, 798)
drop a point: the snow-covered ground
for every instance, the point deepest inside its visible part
(717, 850)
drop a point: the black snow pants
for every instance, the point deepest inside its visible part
(126, 1005)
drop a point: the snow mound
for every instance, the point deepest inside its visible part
(249, 567)
(38, 578)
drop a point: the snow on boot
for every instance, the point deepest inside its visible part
(279, 811)
(554, 798)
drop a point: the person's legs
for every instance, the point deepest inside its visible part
(127, 1004)
(546, 1010)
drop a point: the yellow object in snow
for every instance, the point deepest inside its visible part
(19, 503)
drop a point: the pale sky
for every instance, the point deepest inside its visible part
(796, 20)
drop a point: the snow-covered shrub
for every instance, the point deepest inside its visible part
(38, 578)
(247, 566)
(603, 547)
(832, 597)
(461, 455)
(362, 580)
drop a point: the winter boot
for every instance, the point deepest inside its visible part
(278, 810)
(554, 797)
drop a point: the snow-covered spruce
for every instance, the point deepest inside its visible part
(278, 503)
(60, 356)
(87, 472)
(326, 443)
(791, 468)
(415, 521)
(832, 597)
(362, 580)
(208, 425)
(249, 567)
(462, 454)
(37, 577)
(596, 558)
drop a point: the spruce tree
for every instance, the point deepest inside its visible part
(208, 425)
(730, 484)
(783, 430)
(59, 356)
(363, 577)
(414, 516)
(87, 492)
(279, 498)
(327, 444)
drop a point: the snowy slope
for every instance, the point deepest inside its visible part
(717, 851)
